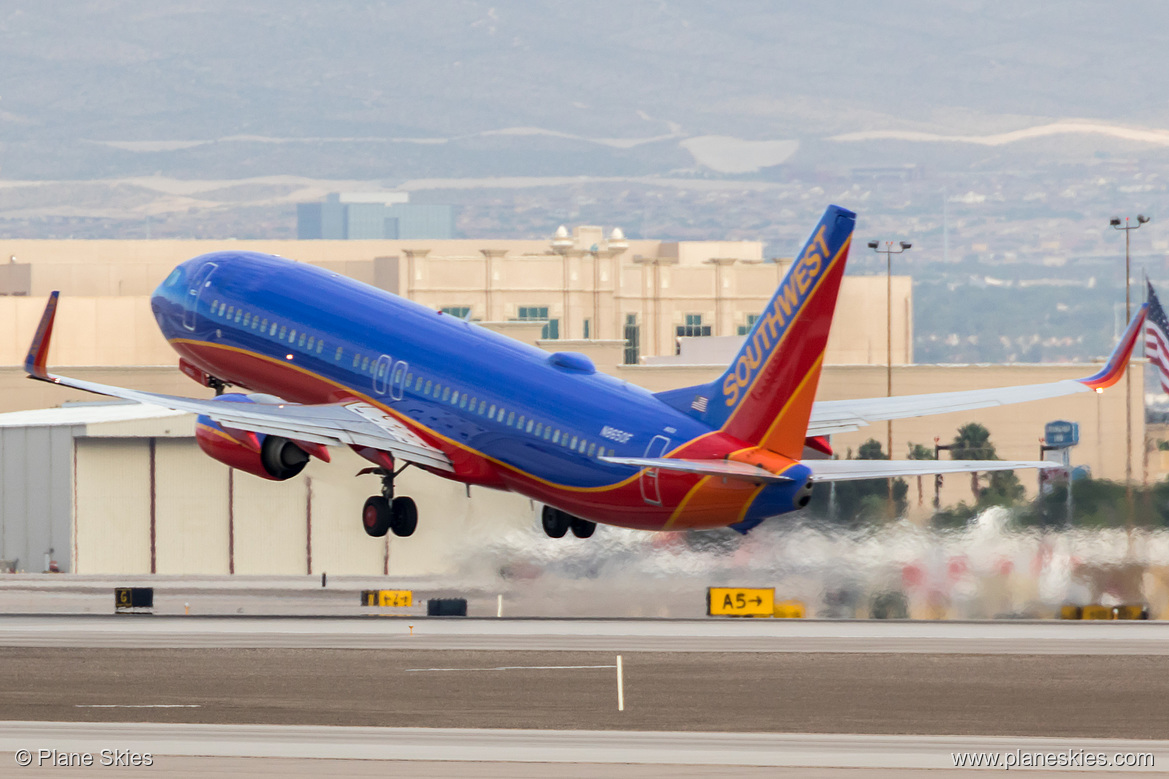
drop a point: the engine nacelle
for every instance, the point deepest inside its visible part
(267, 456)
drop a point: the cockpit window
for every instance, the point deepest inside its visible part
(173, 278)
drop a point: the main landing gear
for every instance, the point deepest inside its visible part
(557, 523)
(384, 513)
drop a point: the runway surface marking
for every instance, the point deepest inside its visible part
(514, 668)
(137, 705)
(542, 746)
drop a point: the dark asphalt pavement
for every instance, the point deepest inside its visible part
(1120, 696)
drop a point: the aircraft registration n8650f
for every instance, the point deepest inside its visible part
(330, 361)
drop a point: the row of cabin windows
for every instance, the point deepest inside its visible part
(248, 320)
(431, 388)
(300, 339)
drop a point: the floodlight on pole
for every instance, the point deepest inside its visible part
(889, 251)
(1127, 228)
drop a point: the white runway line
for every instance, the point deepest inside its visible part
(515, 668)
(620, 685)
(138, 706)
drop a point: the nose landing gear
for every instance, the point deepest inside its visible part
(385, 513)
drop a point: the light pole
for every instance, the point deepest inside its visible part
(1127, 228)
(889, 251)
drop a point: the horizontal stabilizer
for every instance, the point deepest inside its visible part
(848, 470)
(727, 469)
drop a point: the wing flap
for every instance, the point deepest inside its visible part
(850, 470)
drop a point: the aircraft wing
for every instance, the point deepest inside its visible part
(848, 470)
(353, 422)
(839, 416)
(729, 469)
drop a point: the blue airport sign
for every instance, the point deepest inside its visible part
(1061, 433)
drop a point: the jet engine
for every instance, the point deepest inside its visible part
(267, 456)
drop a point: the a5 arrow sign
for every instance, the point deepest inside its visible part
(740, 601)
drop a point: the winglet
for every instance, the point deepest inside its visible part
(38, 352)
(1113, 370)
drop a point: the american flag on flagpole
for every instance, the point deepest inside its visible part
(1157, 339)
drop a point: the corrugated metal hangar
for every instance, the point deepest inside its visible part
(115, 488)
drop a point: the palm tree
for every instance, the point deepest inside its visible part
(921, 452)
(1003, 487)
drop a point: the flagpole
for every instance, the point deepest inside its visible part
(1145, 428)
(889, 251)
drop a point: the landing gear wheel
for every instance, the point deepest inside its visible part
(582, 528)
(383, 513)
(555, 522)
(376, 516)
(405, 516)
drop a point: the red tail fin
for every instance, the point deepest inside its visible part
(765, 397)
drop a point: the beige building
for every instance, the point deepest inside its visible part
(585, 286)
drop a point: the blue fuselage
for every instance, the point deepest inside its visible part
(508, 414)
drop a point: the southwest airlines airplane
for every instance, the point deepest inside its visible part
(329, 361)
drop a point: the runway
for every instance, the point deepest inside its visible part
(316, 751)
(1066, 696)
(447, 697)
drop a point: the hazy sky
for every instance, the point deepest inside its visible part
(123, 70)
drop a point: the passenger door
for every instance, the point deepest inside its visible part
(381, 374)
(398, 380)
(649, 477)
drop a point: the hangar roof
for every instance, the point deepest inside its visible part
(106, 419)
